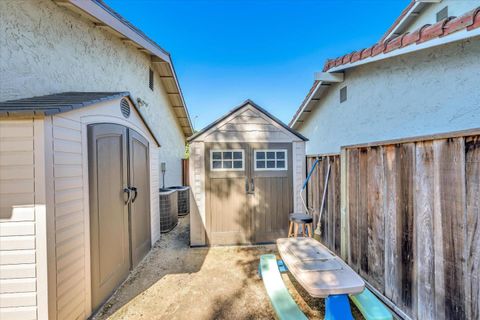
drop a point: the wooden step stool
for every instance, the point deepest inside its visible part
(301, 221)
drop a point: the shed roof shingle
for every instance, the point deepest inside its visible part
(55, 103)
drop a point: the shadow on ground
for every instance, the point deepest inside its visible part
(178, 282)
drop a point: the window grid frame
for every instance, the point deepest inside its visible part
(222, 160)
(285, 152)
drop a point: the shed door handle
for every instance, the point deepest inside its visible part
(127, 190)
(135, 195)
(253, 185)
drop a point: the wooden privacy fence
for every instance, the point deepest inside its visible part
(330, 222)
(414, 226)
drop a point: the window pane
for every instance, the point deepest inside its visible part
(260, 164)
(270, 155)
(217, 164)
(227, 164)
(227, 155)
(216, 155)
(260, 155)
(281, 155)
(271, 164)
(237, 155)
(237, 164)
(280, 164)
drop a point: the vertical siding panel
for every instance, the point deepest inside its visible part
(472, 279)
(424, 257)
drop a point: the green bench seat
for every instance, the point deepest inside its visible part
(282, 302)
(370, 307)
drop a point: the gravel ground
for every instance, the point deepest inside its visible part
(178, 282)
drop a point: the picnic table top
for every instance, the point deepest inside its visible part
(317, 269)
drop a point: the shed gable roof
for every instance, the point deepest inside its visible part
(227, 120)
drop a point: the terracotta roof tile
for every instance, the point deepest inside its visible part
(378, 48)
(413, 37)
(394, 43)
(366, 53)
(459, 23)
(433, 31)
(476, 21)
(470, 21)
(356, 56)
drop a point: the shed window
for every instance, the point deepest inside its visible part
(227, 160)
(270, 160)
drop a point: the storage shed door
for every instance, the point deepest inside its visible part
(119, 225)
(248, 192)
(110, 251)
(140, 204)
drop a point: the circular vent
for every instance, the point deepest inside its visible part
(125, 107)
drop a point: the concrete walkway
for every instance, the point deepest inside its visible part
(178, 282)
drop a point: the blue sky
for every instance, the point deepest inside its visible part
(226, 51)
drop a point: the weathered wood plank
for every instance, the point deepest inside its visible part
(449, 226)
(424, 233)
(353, 181)
(472, 175)
(375, 194)
(405, 227)
(392, 241)
(337, 221)
(363, 213)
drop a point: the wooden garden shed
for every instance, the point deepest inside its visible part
(78, 199)
(246, 172)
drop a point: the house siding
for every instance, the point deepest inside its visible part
(48, 49)
(400, 97)
(21, 209)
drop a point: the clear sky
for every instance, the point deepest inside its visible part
(226, 51)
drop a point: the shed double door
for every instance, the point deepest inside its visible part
(247, 199)
(119, 205)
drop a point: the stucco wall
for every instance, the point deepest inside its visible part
(47, 49)
(426, 92)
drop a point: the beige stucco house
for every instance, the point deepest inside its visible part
(89, 109)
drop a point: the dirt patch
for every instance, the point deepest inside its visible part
(178, 282)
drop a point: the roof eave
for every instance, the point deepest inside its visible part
(104, 18)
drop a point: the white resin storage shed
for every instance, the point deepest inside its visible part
(246, 172)
(78, 200)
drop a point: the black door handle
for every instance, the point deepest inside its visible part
(135, 195)
(253, 185)
(127, 190)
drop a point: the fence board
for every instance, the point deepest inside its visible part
(352, 186)
(424, 253)
(413, 222)
(449, 226)
(472, 173)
